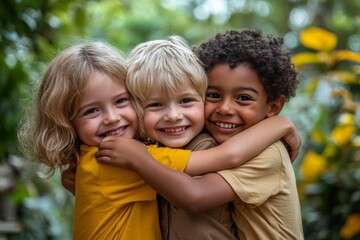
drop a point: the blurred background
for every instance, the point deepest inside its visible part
(323, 35)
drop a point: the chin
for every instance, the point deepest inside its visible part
(176, 145)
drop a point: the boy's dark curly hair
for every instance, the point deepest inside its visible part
(265, 55)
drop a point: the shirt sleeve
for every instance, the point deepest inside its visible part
(258, 179)
(173, 158)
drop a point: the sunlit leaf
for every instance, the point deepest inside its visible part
(347, 55)
(329, 151)
(318, 39)
(302, 59)
(341, 93)
(347, 118)
(318, 136)
(311, 87)
(344, 77)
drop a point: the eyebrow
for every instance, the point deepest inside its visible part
(236, 89)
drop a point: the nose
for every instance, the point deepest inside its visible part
(226, 107)
(173, 113)
(111, 116)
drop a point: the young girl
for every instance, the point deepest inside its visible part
(82, 99)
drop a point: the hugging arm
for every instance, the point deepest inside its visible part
(241, 148)
(211, 190)
(191, 194)
(235, 151)
(245, 145)
(68, 178)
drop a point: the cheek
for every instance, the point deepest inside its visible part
(132, 116)
(149, 122)
(198, 113)
(208, 110)
(86, 131)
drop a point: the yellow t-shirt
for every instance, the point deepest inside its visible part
(115, 203)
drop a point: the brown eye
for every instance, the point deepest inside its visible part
(212, 95)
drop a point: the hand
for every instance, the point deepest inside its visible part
(122, 152)
(68, 178)
(292, 142)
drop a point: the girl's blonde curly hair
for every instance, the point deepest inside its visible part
(46, 134)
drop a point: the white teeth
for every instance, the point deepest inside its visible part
(173, 130)
(227, 125)
(113, 133)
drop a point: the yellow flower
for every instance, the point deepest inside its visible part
(351, 227)
(318, 39)
(312, 166)
(342, 134)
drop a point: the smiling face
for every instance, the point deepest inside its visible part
(235, 100)
(104, 108)
(175, 120)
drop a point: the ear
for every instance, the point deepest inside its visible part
(276, 106)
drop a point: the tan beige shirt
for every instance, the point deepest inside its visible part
(215, 224)
(268, 206)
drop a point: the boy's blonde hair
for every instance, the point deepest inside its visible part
(47, 134)
(163, 66)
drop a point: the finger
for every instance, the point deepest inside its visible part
(104, 159)
(107, 144)
(109, 139)
(104, 153)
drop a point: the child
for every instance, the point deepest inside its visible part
(82, 99)
(168, 84)
(250, 78)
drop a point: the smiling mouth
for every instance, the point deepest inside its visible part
(227, 125)
(114, 132)
(173, 130)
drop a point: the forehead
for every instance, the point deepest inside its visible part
(182, 91)
(222, 75)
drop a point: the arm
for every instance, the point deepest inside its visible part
(241, 153)
(232, 153)
(68, 178)
(245, 145)
(191, 194)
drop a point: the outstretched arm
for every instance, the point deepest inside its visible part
(246, 145)
(232, 153)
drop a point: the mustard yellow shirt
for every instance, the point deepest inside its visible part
(115, 203)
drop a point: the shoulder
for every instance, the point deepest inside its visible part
(276, 149)
(201, 142)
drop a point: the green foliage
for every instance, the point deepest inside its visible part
(33, 31)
